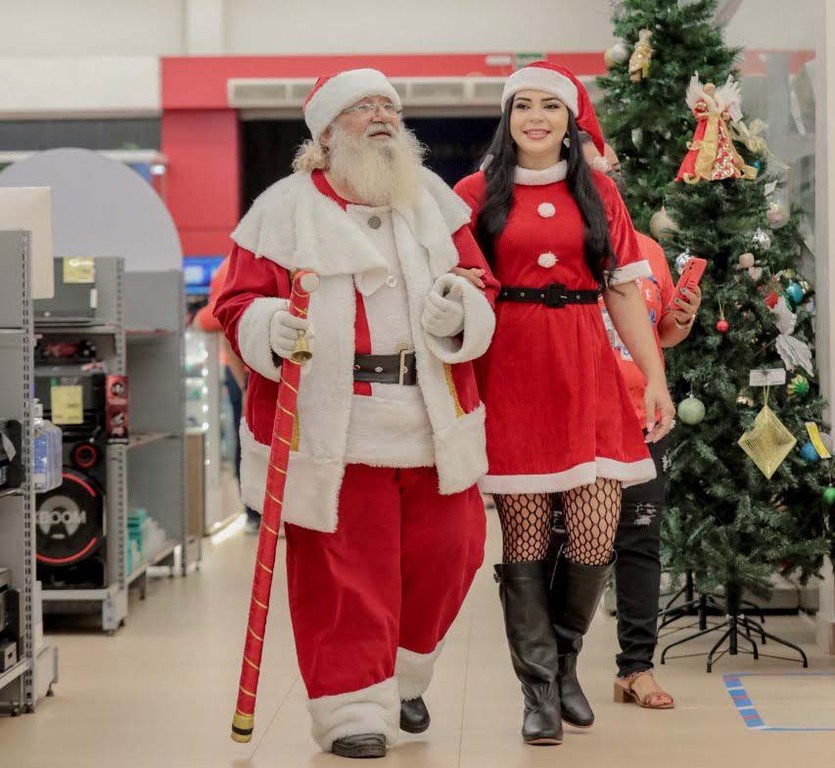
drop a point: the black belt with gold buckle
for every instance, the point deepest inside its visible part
(386, 369)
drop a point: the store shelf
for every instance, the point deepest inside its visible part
(43, 325)
(146, 438)
(78, 595)
(11, 331)
(155, 559)
(10, 675)
(147, 334)
(5, 493)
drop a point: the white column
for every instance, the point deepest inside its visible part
(204, 27)
(824, 273)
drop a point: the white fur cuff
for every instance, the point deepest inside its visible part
(254, 336)
(461, 453)
(629, 272)
(414, 671)
(479, 323)
(375, 709)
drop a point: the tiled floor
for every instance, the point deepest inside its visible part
(162, 691)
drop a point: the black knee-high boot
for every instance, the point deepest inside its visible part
(523, 589)
(575, 594)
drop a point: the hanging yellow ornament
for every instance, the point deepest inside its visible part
(768, 442)
(641, 57)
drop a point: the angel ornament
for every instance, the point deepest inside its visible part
(641, 57)
(712, 155)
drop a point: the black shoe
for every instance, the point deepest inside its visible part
(414, 716)
(523, 589)
(362, 746)
(575, 594)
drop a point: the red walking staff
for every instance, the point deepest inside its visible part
(304, 283)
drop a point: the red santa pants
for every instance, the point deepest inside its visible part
(371, 603)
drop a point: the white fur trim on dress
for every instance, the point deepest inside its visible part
(629, 473)
(629, 272)
(541, 79)
(375, 709)
(414, 671)
(343, 90)
(529, 177)
(254, 336)
(479, 323)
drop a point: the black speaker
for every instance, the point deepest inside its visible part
(71, 521)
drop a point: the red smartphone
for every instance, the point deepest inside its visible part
(693, 271)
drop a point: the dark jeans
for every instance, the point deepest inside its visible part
(638, 568)
(638, 565)
(236, 399)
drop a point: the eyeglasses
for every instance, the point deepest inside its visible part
(367, 108)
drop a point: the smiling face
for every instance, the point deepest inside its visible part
(538, 125)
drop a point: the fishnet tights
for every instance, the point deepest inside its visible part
(590, 512)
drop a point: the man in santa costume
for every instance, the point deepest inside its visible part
(385, 527)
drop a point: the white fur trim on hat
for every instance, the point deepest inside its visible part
(541, 79)
(343, 90)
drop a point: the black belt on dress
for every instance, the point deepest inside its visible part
(553, 296)
(386, 369)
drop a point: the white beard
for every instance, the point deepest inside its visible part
(380, 172)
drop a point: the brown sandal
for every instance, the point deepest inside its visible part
(656, 699)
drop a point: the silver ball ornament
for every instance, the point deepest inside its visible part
(777, 215)
(681, 260)
(619, 53)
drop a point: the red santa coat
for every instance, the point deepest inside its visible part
(298, 224)
(558, 412)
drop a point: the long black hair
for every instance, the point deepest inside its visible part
(498, 202)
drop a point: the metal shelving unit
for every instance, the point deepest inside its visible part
(37, 667)
(154, 318)
(138, 329)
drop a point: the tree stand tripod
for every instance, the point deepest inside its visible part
(737, 626)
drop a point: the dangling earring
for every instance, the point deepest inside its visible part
(567, 142)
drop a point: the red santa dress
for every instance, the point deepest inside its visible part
(558, 412)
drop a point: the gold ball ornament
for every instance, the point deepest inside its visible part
(661, 224)
(619, 53)
(746, 261)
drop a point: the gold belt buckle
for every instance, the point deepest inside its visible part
(404, 369)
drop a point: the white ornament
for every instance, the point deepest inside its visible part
(546, 260)
(755, 273)
(794, 352)
(546, 210)
(617, 54)
(661, 224)
(777, 215)
(681, 260)
(637, 137)
(746, 260)
(761, 240)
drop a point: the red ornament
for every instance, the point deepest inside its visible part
(772, 299)
(723, 326)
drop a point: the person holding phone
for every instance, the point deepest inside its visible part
(559, 418)
(672, 311)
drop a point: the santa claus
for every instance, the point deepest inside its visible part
(385, 527)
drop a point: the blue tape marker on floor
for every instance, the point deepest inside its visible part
(747, 710)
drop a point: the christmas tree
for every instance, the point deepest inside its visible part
(648, 123)
(738, 509)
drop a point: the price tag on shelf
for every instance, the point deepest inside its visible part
(79, 270)
(67, 404)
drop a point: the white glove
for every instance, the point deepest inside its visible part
(443, 316)
(284, 330)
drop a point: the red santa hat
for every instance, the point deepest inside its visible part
(333, 93)
(562, 83)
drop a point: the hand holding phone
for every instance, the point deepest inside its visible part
(694, 269)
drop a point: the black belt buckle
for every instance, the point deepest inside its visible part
(556, 296)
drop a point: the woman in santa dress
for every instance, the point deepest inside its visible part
(559, 418)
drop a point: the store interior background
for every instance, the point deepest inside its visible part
(151, 85)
